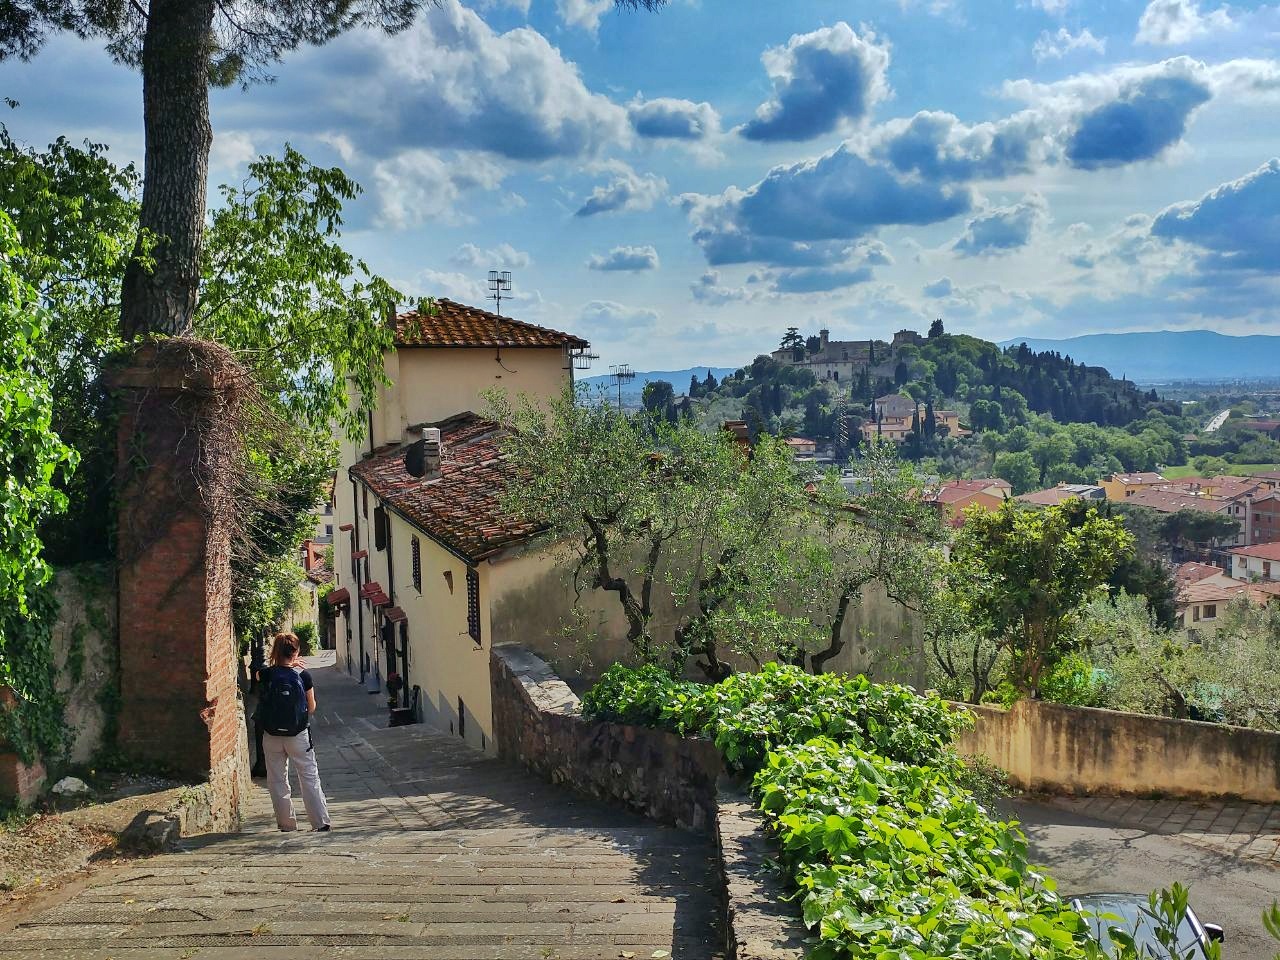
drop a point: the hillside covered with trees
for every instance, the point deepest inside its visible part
(1035, 418)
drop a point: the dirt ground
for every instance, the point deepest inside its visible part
(66, 838)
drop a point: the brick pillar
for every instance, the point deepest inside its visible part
(180, 703)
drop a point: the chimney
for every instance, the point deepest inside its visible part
(422, 458)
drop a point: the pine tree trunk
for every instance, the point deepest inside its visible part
(175, 102)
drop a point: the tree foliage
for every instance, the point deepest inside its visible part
(33, 457)
(1021, 577)
(647, 506)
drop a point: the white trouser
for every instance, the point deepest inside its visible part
(279, 751)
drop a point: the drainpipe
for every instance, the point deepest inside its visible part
(355, 572)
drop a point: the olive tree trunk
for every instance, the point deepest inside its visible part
(161, 298)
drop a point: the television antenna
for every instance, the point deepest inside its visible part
(499, 284)
(621, 373)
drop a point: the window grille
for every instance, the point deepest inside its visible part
(415, 553)
(473, 604)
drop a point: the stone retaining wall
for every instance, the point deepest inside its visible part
(674, 780)
(1047, 746)
(536, 723)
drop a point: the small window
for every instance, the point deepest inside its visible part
(415, 552)
(1266, 568)
(1195, 615)
(1210, 611)
(379, 528)
(473, 604)
(364, 502)
(462, 719)
(328, 530)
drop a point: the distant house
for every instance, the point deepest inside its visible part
(1200, 605)
(1193, 571)
(895, 406)
(1260, 561)
(1121, 486)
(1271, 428)
(1171, 501)
(1062, 492)
(836, 360)
(953, 497)
(801, 446)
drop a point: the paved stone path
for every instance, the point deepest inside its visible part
(436, 852)
(1249, 831)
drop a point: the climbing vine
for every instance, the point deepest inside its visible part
(34, 727)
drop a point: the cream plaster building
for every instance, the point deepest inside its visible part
(422, 550)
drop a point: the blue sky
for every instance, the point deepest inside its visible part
(680, 186)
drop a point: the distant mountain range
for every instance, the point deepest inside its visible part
(1166, 355)
(679, 379)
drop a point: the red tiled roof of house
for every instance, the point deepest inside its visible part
(455, 324)
(1191, 572)
(1137, 477)
(1170, 501)
(1262, 551)
(798, 442)
(1225, 590)
(320, 573)
(461, 509)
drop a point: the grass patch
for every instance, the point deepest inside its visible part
(1234, 470)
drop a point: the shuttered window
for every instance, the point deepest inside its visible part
(379, 528)
(415, 553)
(473, 604)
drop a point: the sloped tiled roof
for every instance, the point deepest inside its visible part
(461, 509)
(1062, 492)
(1193, 572)
(1169, 501)
(1262, 551)
(1216, 591)
(455, 324)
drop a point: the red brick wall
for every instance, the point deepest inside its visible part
(178, 665)
(19, 781)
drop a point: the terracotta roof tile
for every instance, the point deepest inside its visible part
(461, 508)
(1192, 572)
(1262, 551)
(458, 325)
(1168, 501)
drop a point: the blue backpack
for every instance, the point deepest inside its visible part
(282, 710)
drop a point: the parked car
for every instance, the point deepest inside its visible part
(1128, 911)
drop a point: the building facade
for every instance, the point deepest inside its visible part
(423, 550)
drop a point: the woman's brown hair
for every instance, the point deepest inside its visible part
(284, 648)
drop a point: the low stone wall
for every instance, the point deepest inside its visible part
(759, 925)
(674, 780)
(536, 723)
(1047, 746)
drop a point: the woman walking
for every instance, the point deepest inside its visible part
(288, 701)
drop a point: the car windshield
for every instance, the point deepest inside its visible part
(1129, 914)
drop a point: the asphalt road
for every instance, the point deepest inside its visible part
(1088, 856)
(1218, 420)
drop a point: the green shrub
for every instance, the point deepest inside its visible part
(891, 854)
(639, 695)
(749, 714)
(306, 634)
(893, 859)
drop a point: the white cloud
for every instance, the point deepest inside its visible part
(451, 81)
(1055, 7)
(503, 255)
(231, 150)
(612, 319)
(1166, 22)
(627, 190)
(521, 5)
(822, 81)
(667, 118)
(583, 14)
(631, 259)
(419, 185)
(1055, 46)
(1002, 230)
